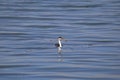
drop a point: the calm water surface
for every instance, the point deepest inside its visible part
(28, 32)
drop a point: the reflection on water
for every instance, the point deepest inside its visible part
(91, 27)
(60, 57)
(59, 50)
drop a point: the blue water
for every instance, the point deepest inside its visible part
(29, 30)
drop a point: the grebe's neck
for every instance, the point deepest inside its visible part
(59, 41)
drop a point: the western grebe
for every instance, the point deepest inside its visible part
(59, 44)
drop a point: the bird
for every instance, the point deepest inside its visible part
(59, 44)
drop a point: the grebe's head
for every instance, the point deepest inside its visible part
(60, 38)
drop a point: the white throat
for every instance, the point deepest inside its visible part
(59, 41)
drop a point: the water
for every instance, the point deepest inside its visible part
(28, 32)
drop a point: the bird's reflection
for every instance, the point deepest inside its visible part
(60, 56)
